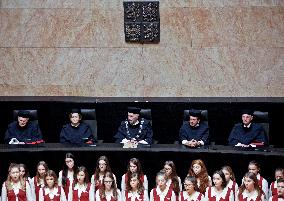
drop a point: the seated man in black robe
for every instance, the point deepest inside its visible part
(194, 133)
(23, 131)
(76, 132)
(247, 133)
(134, 129)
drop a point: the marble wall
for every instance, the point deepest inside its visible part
(208, 48)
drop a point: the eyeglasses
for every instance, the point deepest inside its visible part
(187, 185)
(107, 182)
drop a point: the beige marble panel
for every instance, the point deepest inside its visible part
(76, 71)
(255, 26)
(228, 3)
(214, 72)
(87, 4)
(46, 27)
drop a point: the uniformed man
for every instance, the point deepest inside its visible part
(23, 131)
(134, 129)
(247, 133)
(194, 133)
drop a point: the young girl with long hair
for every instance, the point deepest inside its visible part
(108, 191)
(230, 178)
(101, 168)
(82, 190)
(24, 173)
(134, 189)
(173, 181)
(250, 190)
(162, 192)
(68, 174)
(37, 181)
(190, 192)
(51, 190)
(199, 171)
(219, 191)
(134, 166)
(15, 188)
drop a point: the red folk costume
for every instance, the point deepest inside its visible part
(37, 187)
(273, 188)
(246, 196)
(47, 196)
(168, 196)
(224, 196)
(13, 195)
(196, 196)
(137, 197)
(84, 195)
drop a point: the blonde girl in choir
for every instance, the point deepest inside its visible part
(134, 166)
(108, 191)
(279, 174)
(231, 180)
(101, 168)
(250, 190)
(135, 190)
(219, 191)
(51, 190)
(83, 190)
(37, 181)
(254, 167)
(173, 181)
(162, 192)
(198, 170)
(190, 192)
(15, 188)
(67, 175)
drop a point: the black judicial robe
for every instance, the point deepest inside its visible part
(30, 133)
(76, 135)
(141, 131)
(240, 134)
(198, 133)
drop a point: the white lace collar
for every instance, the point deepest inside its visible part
(230, 183)
(221, 195)
(159, 192)
(133, 194)
(193, 196)
(250, 195)
(51, 192)
(80, 187)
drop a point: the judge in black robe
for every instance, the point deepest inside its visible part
(134, 128)
(76, 132)
(194, 133)
(23, 129)
(247, 132)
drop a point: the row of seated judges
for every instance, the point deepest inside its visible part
(137, 130)
(73, 183)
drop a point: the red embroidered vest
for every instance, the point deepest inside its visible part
(167, 198)
(37, 188)
(260, 182)
(141, 197)
(211, 198)
(273, 189)
(84, 195)
(55, 198)
(241, 198)
(66, 187)
(98, 183)
(12, 196)
(182, 197)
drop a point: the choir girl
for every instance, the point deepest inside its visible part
(230, 178)
(37, 182)
(279, 174)
(134, 189)
(219, 191)
(250, 190)
(173, 181)
(162, 192)
(83, 190)
(15, 188)
(190, 192)
(24, 173)
(100, 171)
(254, 167)
(67, 175)
(199, 171)
(108, 191)
(51, 190)
(280, 191)
(134, 166)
